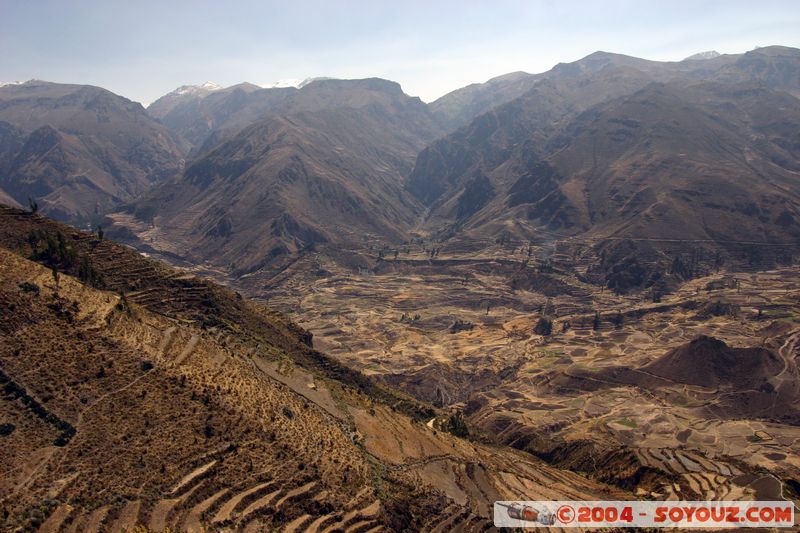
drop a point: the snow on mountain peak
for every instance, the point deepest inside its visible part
(283, 84)
(711, 54)
(211, 86)
(311, 80)
(193, 89)
(293, 82)
(4, 83)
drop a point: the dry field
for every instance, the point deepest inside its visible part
(165, 401)
(455, 330)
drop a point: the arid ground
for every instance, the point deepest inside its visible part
(460, 330)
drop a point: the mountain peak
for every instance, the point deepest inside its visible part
(211, 86)
(370, 84)
(700, 56)
(295, 83)
(205, 87)
(284, 83)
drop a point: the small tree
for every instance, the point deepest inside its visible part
(617, 320)
(54, 272)
(544, 327)
(122, 304)
(596, 321)
(655, 295)
(457, 426)
(100, 232)
(88, 274)
(32, 205)
(679, 268)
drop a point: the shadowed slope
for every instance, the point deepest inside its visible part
(171, 402)
(331, 171)
(80, 150)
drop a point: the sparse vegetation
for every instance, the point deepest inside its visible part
(53, 250)
(544, 326)
(457, 425)
(123, 305)
(718, 308)
(27, 286)
(13, 390)
(209, 349)
(88, 274)
(681, 269)
(461, 325)
(410, 319)
(63, 308)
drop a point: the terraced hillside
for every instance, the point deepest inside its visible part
(136, 394)
(691, 393)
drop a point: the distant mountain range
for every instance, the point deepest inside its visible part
(614, 147)
(607, 149)
(327, 164)
(80, 151)
(189, 111)
(528, 157)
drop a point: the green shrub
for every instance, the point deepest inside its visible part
(457, 426)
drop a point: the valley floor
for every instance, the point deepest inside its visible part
(453, 330)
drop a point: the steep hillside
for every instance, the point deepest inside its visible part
(447, 168)
(183, 94)
(137, 394)
(332, 171)
(6, 199)
(458, 108)
(80, 150)
(774, 66)
(710, 161)
(613, 147)
(196, 112)
(206, 118)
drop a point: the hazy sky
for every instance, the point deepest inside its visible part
(142, 49)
